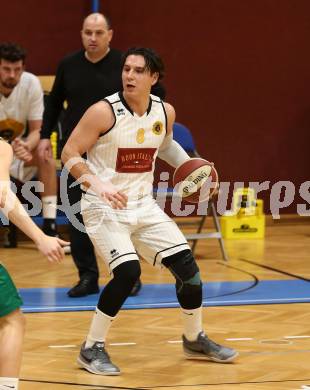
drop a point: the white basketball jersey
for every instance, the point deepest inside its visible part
(127, 152)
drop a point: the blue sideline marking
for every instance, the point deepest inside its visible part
(163, 296)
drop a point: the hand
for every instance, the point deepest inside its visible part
(116, 199)
(52, 248)
(21, 150)
(44, 149)
(106, 191)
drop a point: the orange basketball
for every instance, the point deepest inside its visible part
(196, 180)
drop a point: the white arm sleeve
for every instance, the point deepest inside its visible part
(172, 152)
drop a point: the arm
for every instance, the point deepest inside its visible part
(170, 151)
(33, 137)
(14, 211)
(53, 108)
(96, 121)
(54, 103)
(23, 148)
(35, 114)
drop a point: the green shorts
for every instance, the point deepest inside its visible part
(10, 299)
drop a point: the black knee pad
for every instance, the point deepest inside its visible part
(188, 283)
(118, 289)
(183, 266)
(127, 272)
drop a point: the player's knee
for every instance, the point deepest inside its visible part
(186, 272)
(15, 319)
(128, 272)
(183, 266)
(49, 165)
(42, 162)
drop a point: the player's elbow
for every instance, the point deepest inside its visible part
(71, 156)
(66, 154)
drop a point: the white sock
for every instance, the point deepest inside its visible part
(192, 321)
(49, 206)
(99, 328)
(8, 383)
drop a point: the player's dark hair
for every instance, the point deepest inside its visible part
(12, 52)
(153, 62)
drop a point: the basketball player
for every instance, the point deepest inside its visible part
(122, 135)
(21, 109)
(82, 79)
(12, 322)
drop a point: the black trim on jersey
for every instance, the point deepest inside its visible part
(87, 193)
(121, 96)
(166, 118)
(175, 246)
(122, 99)
(125, 254)
(149, 107)
(111, 105)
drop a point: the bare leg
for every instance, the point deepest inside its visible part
(12, 328)
(47, 176)
(46, 173)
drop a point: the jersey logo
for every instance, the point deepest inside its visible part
(157, 128)
(140, 136)
(120, 111)
(135, 160)
(114, 253)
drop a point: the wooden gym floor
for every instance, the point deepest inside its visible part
(273, 340)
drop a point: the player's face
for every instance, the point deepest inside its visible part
(10, 73)
(96, 35)
(136, 78)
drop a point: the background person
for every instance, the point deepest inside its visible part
(21, 109)
(12, 321)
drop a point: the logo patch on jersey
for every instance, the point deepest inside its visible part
(135, 160)
(157, 127)
(120, 111)
(140, 136)
(114, 253)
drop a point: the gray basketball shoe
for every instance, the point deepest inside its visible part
(204, 348)
(96, 360)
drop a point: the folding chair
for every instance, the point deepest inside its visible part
(184, 137)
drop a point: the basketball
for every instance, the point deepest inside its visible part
(196, 180)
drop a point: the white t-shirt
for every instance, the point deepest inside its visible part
(23, 104)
